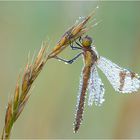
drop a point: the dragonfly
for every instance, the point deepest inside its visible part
(121, 79)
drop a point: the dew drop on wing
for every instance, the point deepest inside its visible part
(95, 88)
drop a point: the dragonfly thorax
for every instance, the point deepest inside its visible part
(86, 41)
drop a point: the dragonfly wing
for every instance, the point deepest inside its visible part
(95, 88)
(121, 79)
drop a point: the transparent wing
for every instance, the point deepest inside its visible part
(121, 79)
(96, 88)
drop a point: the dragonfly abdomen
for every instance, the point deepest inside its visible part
(81, 103)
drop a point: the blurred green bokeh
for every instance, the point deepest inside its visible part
(51, 108)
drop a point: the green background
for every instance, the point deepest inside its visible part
(51, 108)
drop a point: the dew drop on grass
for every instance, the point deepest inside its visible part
(97, 6)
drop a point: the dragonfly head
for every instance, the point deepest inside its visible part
(86, 41)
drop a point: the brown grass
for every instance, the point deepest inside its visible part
(21, 93)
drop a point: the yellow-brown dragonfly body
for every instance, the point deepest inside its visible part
(90, 58)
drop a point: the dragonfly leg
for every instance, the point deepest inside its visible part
(80, 39)
(78, 44)
(68, 61)
(74, 48)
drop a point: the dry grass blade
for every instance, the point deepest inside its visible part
(21, 94)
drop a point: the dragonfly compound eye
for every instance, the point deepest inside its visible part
(86, 41)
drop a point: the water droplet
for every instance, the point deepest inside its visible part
(96, 24)
(97, 6)
(76, 21)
